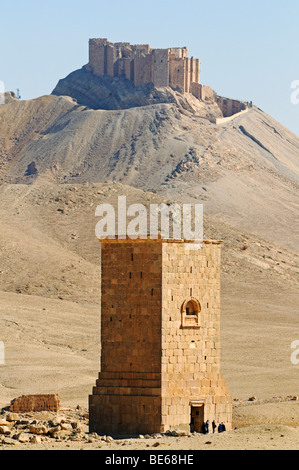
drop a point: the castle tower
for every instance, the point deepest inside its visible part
(160, 337)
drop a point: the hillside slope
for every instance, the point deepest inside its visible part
(245, 172)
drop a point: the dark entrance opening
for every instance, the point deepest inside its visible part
(197, 417)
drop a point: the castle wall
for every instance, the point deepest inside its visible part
(179, 52)
(177, 73)
(143, 70)
(192, 73)
(195, 70)
(225, 120)
(202, 92)
(97, 56)
(129, 70)
(196, 90)
(146, 48)
(161, 68)
(119, 68)
(109, 60)
(187, 75)
(229, 107)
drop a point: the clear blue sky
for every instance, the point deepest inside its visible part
(248, 49)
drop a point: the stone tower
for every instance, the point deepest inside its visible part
(160, 336)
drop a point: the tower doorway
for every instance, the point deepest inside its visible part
(197, 417)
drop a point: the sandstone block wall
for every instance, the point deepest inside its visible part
(127, 396)
(229, 107)
(177, 73)
(131, 305)
(97, 56)
(30, 403)
(191, 350)
(202, 92)
(143, 70)
(225, 120)
(161, 67)
(160, 336)
(192, 72)
(179, 52)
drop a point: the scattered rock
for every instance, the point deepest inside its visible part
(59, 435)
(77, 426)
(180, 433)
(23, 438)
(172, 433)
(10, 442)
(66, 427)
(38, 430)
(56, 421)
(36, 440)
(54, 430)
(3, 422)
(29, 428)
(5, 430)
(24, 422)
(76, 438)
(94, 435)
(11, 417)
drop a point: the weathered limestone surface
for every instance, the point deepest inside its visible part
(160, 365)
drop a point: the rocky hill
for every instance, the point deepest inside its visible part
(109, 93)
(244, 171)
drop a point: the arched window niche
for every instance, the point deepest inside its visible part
(190, 312)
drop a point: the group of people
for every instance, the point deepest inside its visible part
(206, 427)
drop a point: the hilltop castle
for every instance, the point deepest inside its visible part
(142, 65)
